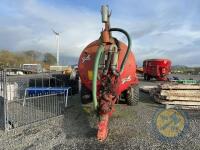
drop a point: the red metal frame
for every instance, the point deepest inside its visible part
(157, 68)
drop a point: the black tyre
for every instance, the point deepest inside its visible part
(86, 95)
(145, 76)
(132, 95)
(148, 77)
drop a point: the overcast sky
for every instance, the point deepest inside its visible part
(158, 28)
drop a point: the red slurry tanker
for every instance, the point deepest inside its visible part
(107, 70)
(156, 68)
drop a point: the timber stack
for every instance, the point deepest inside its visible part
(177, 94)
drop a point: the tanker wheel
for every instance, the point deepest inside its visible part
(145, 76)
(148, 77)
(86, 95)
(132, 95)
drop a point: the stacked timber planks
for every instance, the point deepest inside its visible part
(178, 94)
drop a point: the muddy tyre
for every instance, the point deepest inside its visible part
(86, 95)
(145, 76)
(132, 95)
(148, 78)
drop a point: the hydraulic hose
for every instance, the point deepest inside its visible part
(95, 74)
(115, 60)
(105, 71)
(128, 48)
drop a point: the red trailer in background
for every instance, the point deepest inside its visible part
(156, 68)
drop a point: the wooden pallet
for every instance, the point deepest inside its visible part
(175, 102)
(177, 94)
(185, 93)
(176, 86)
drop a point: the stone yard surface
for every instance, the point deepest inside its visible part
(130, 128)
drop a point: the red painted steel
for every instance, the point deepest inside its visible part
(156, 68)
(123, 82)
(111, 80)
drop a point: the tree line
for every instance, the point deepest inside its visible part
(17, 59)
(185, 69)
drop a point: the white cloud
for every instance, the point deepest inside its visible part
(77, 28)
(158, 29)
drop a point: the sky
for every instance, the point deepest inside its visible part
(158, 28)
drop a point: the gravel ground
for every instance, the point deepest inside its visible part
(130, 128)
